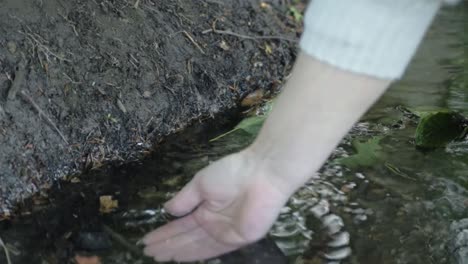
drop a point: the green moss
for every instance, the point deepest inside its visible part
(436, 129)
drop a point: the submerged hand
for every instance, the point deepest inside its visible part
(230, 204)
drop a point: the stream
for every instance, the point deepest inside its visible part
(401, 205)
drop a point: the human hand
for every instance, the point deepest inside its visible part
(229, 204)
(235, 200)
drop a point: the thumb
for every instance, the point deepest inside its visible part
(185, 201)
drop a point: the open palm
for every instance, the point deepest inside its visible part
(227, 205)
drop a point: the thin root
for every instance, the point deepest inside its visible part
(193, 41)
(6, 250)
(230, 33)
(137, 3)
(38, 42)
(42, 114)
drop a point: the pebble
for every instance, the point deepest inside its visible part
(459, 242)
(338, 254)
(321, 209)
(360, 175)
(146, 94)
(461, 256)
(333, 223)
(340, 240)
(11, 46)
(93, 241)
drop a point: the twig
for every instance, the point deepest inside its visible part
(41, 113)
(122, 241)
(38, 40)
(6, 250)
(228, 32)
(137, 2)
(70, 79)
(215, 2)
(192, 40)
(71, 23)
(2, 112)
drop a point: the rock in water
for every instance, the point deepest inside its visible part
(437, 129)
(458, 245)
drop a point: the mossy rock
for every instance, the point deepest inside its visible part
(436, 129)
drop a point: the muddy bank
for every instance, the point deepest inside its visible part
(84, 83)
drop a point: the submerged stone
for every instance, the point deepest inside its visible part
(439, 128)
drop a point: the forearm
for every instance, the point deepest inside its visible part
(351, 50)
(318, 106)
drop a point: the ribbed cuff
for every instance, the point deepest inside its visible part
(371, 37)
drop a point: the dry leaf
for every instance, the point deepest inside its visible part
(254, 98)
(75, 180)
(268, 49)
(87, 259)
(107, 204)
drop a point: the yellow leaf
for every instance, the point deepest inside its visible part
(107, 204)
(268, 49)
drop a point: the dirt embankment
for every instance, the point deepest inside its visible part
(89, 81)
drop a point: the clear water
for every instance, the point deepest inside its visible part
(399, 210)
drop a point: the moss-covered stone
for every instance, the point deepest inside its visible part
(439, 128)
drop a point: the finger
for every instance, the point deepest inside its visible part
(185, 201)
(171, 229)
(165, 250)
(204, 249)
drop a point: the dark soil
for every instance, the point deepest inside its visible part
(85, 82)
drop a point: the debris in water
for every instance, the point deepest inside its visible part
(107, 204)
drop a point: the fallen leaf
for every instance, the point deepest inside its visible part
(253, 98)
(268, 49)
(367, 153)
(75, 180)
(107, 204)
(250, 125)
(87, 259)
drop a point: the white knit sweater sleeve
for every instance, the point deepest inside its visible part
(371, 37)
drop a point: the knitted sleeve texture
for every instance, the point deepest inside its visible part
(372, 37)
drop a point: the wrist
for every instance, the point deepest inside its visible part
(283, 173)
